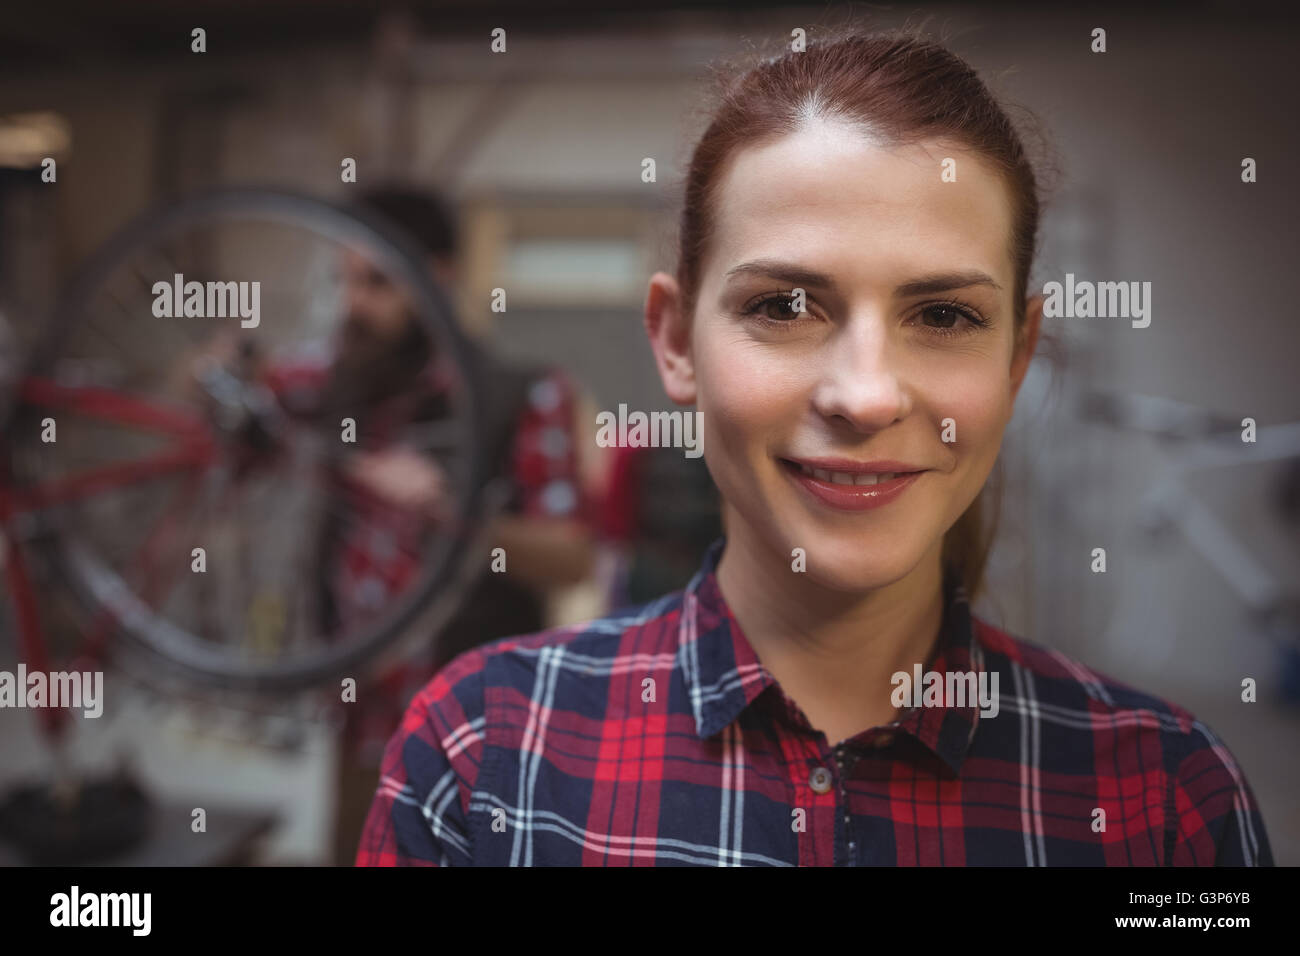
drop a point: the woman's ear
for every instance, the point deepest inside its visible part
(670, 337)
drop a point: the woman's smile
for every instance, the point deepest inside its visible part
(851, 486)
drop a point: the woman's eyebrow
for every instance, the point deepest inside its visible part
(784, 271)
(796, 275)
(946, 281)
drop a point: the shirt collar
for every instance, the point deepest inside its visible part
(724, 676)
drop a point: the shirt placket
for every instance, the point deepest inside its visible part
(816, 789)
(828, 839)
(846, 840)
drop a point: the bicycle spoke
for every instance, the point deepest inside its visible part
(161, 537)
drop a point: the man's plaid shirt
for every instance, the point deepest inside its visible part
(550, 749)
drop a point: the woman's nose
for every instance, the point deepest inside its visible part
(861, 379)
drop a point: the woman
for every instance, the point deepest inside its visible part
(849, 315)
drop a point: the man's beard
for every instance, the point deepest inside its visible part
(367, 370)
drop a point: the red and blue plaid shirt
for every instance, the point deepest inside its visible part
(543, 750)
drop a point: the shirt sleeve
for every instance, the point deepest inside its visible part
(1217, 817)
(420, 812)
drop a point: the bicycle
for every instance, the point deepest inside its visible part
(226, 455)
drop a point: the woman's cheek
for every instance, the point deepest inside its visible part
(745, 399)
(720, 401)
(739, 385)
(977, 403)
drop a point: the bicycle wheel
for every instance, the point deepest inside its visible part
(190, 507)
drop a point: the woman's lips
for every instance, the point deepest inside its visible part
(850, 490)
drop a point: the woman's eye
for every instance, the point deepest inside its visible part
(948, 316)
(951, 319)
(778, 308)
(940, 318)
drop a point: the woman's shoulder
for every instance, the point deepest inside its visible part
(1140, 739)
(1057, 674)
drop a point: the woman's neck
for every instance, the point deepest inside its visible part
(832, 652)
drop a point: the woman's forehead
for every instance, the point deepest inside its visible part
(834, 197)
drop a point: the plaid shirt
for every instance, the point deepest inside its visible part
(542, 750)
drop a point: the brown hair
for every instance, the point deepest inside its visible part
(903, 88)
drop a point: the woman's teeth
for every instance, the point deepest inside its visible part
(843, 477)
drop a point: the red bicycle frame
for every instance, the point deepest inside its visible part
(192, 450)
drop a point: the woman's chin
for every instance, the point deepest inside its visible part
(853, 565)
(857, 580)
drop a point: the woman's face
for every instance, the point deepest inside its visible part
(903, 351)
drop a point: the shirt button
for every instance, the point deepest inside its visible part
(820, 780)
